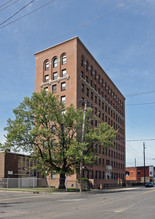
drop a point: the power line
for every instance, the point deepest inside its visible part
(17, 12)
(5, 3)
(63, 34)
(140, 93)
(9, 5)
(27, 14)
(136, 104)
(147, 139)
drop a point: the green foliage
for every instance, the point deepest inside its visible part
(52, 137)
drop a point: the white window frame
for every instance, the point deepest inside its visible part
(64, 72)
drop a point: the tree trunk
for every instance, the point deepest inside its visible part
(62, 181)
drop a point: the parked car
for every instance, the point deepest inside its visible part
(149, 184)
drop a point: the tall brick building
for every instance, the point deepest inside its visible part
(69, 70)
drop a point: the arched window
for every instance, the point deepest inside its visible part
(64, 59)
(46, 65)
(55, 62)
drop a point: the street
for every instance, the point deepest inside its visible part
(116, 203)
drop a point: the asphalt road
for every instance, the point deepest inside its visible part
(119, 204)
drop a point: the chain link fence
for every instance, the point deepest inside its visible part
(33, 182)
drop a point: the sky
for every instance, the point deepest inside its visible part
(119, 33)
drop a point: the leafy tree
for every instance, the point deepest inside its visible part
(51, 133)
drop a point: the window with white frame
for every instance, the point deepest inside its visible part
(46, 78)
(63, 99)
(63, 86)
(63, 72)
(54, 88)
(64, 59)
(55, 62)
(46, 90)
(55, 75)
(47, 65)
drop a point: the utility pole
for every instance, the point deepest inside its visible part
(82, 140)
(135, 162)
(144, 160)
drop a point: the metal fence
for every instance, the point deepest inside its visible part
(32, 182)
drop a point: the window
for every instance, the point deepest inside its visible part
(131, 173)
(55, 75)
(47, 65)
(83, 101)
(95, 110)
(91, 83)
(82, 74)
(55, 62)
(54, 88)
(82, 60)
(87, 66)
(95, 75)
(96, 99)
(82, 88)
(99, 149)
(95, 174)
(63, 72)
(99, 79)
(46, 78)
(99, 114)
(64, 59)
(88, 174)
(103, 116)
(87, 92)
(95, 123)
(91, 70)
(46, 90)
(91, 95)
(63, 86)
(99, 174)
(103, 175)
(86, 78)
(102, 105)
(99, 102)
(92, 174)
(138, 172)
(63, 99)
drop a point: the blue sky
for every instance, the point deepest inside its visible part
(119, 33)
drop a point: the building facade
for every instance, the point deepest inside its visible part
(70, 71)
(13, 165)
(136, 174)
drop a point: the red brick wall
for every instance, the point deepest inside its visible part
(11, 164)
(132, 174)
(74, 48)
